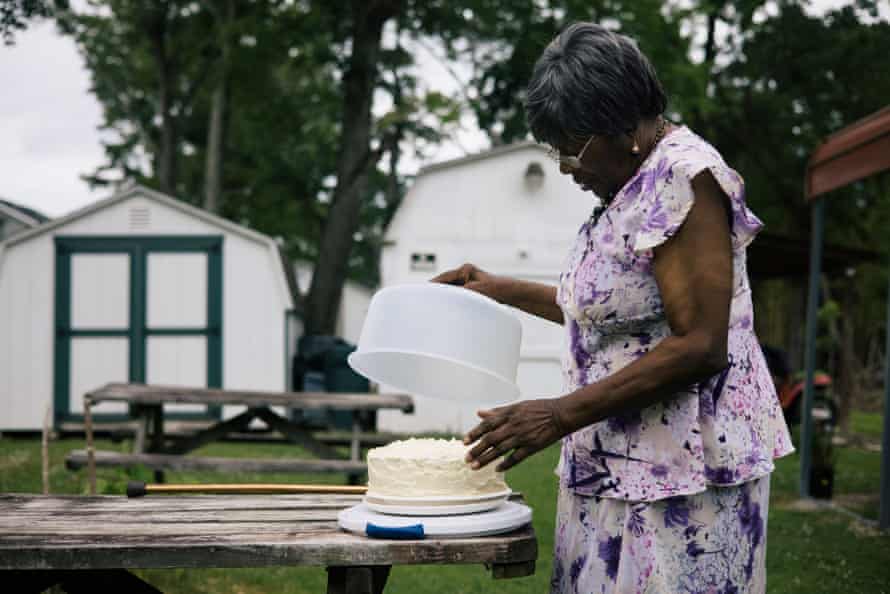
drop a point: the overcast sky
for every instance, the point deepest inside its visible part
(49, 122)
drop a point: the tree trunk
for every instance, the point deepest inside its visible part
(710, 40)
(216, 127)
(353, 165)
(215, 139)
(165, 158)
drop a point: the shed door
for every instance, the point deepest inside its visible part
(100, 323)
(176, 322)
(137, 309)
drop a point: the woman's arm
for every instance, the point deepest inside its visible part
(533, 298)
(694, 274)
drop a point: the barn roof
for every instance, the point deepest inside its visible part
(487, 154)
(130, 190)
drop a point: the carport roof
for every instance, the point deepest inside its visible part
(851, 154)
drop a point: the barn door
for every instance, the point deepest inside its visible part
(138, 309)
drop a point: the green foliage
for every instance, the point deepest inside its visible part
(765, 93)
(795, 80)
(15, 14)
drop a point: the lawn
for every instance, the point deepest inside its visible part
(810, 550)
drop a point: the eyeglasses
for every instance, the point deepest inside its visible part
(570, 161)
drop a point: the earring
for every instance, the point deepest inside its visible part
(636, 148)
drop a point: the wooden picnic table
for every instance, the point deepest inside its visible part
(153, 448)
(88, 542)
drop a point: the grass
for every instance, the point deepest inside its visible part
(866, 425)
(810, 551)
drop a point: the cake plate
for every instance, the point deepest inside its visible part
(434, 506)
(360, 519)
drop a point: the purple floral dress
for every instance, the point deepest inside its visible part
(708, 450)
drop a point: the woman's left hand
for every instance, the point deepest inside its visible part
(523, 428)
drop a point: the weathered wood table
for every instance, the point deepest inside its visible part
(88, 543)
(156, 450)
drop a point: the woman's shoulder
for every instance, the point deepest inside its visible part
(687, 154)
(663, 195)
(685, 148)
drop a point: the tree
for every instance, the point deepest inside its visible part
(355, 160)
(15, 14)
(284, 92)
(500, 39)
(223, 12)
(792, 81)
(148, 62)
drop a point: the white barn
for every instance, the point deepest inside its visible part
(509, 211)
(139, 287)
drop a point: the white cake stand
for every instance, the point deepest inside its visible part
(434, 506)
(507, 516)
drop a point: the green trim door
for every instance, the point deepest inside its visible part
(105, 324)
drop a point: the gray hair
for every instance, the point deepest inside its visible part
(590, 80)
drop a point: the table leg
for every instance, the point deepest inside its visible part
(145, 440)
(142, 421)
(502, 571)
(91, 452)
(296, 434)
(157, 427)
(357, 580)
(157, 435)
(354, 444)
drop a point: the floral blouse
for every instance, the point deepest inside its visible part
(723, 431)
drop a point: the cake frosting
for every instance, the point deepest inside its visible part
(427, 468)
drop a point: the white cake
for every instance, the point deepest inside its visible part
(427, 468)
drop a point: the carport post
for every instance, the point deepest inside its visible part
(884, 516)
(806, 409)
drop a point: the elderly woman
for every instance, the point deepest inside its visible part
(670, 422)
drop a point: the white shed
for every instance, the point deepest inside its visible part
(509, 211)
(139, 287)
(15, 218)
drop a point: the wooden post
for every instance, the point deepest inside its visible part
(44, 448)
(806, 408)
(884, 502)
(91, 452)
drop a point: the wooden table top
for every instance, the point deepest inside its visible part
(77, 532)
(157, 394)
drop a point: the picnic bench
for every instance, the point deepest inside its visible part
(90, 543)
(159, 451)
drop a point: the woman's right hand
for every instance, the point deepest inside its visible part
(475, 279)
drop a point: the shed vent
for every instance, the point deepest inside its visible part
(140, 217)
